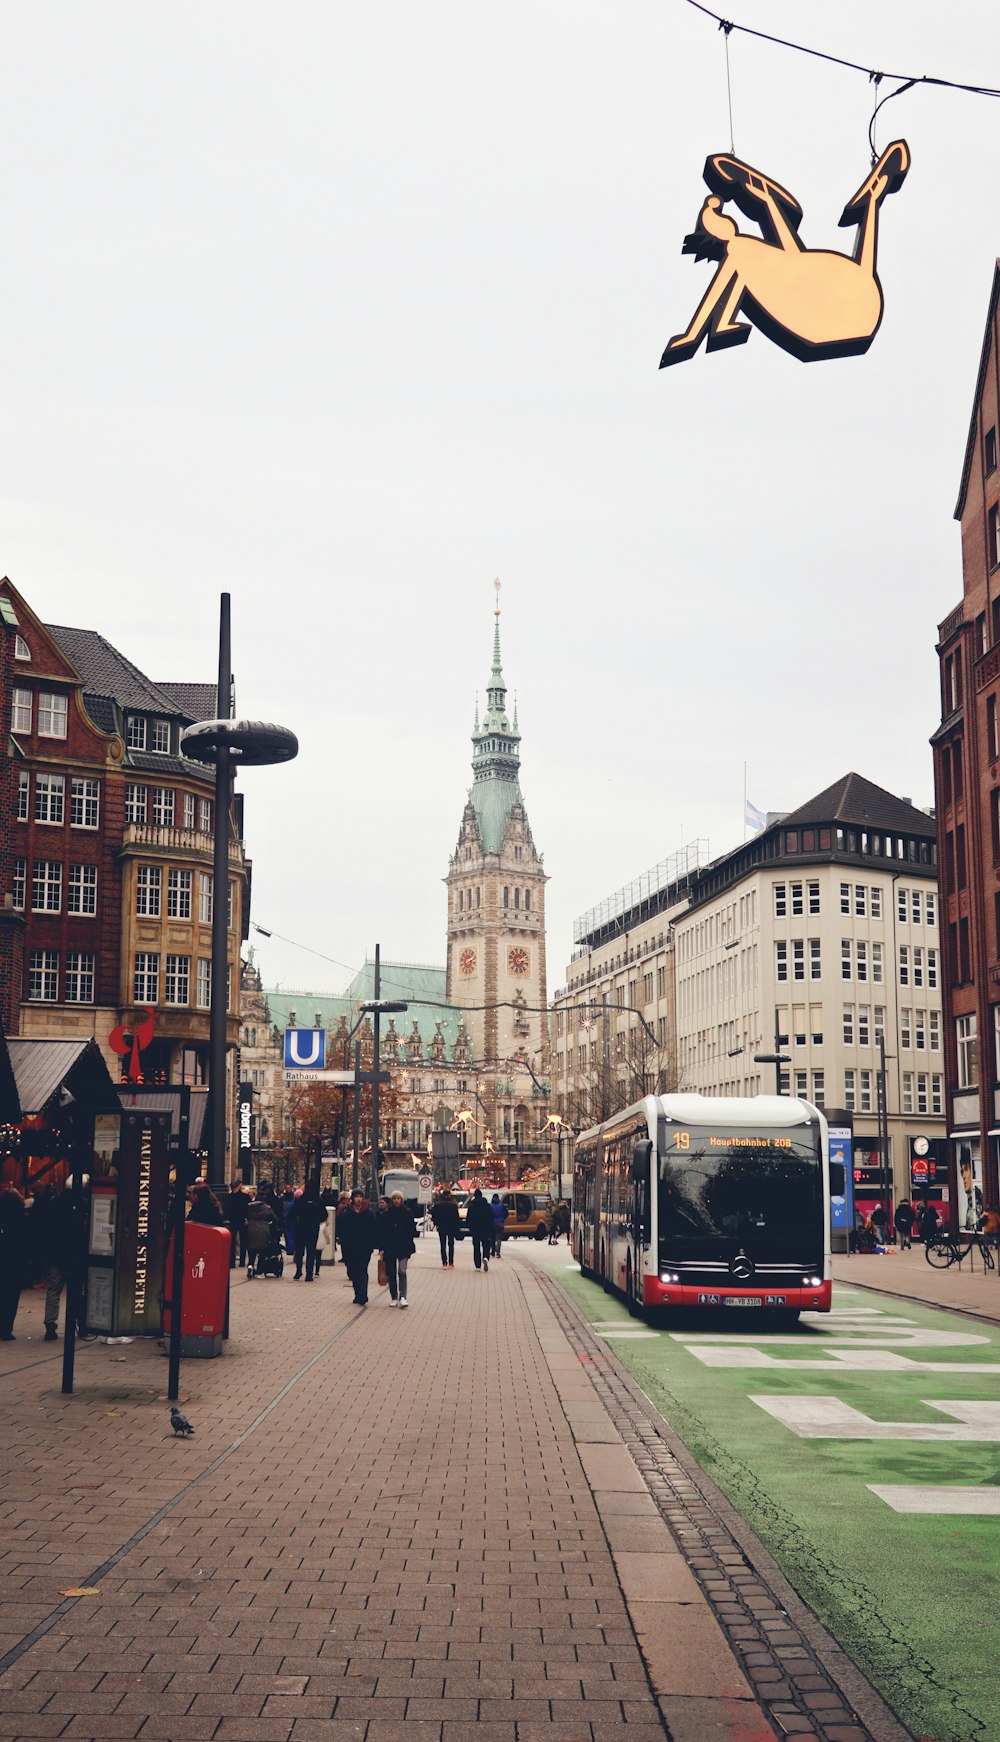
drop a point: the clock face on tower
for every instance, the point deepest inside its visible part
(467, 963)
(518, 961)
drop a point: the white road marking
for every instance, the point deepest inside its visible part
(957, 1502)
(859, 1360)
(829, 1418)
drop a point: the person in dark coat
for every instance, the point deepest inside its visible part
(58, 1244)
(444, 1215)
(928, 1223)
(877, 1220)
(397, 1245)
(262, 1231)
(904, 1224)
(309, 1215)
(205, 1206)
(14, 1259)
(286, 1215)
(237, 1204)
(499, 1214)
(358, 1236)
(479, 1221)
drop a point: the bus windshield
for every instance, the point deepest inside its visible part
(723, 1191)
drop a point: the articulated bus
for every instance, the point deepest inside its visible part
(707, 1201)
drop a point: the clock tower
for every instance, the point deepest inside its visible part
(496, 919)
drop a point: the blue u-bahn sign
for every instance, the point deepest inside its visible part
(305, 1049)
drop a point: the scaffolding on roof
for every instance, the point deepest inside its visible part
(642, 890)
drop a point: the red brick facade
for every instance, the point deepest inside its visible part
(967, 790)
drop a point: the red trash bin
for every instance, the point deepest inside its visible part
(206, 1288)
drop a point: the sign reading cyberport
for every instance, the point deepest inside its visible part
(305, 1049)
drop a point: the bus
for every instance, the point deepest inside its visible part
(707, 1201)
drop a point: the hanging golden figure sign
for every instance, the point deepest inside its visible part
(810, 301)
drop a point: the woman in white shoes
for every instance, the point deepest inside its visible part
(395, 1226)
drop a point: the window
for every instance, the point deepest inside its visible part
(819, 1088)
(46, 886)
(877, 976)
(848, 1024)
(506, 897)
(229, 912)
(53, 713)
(967, 1048)
(21, 648)
(906, 1028)
(798, 959)
(918, 966)
(527, 900)
(796, 893)
(178, 896)
(861, 958)
(50, 798)
(23, 794)
(161, 737)
(205, 815)
(20, 711)
(135, 732)
(203, 984)
(930, 909)
(989, 454)
(879, 1023)
(876, 902)
(932, 968)
(163, 806)
(907, 1091)
(845, 898)
(205, 897)
(920, 1034)
(815, 961)
(846, 970)
(865, 1095)
(937, 1092)
(992, 740)
(176, 980)
(801, 1084)
(781, 961)
(79, 977)
(135, 803)
(81, 892)
(916, 906)
(43, 975)
(864, 1025)
(850, 1090)
(146, 979)
(922, 1092)
(20, 882)
(780, 901)
(147, 890)
(902, 904)
(517, 898)
(813, 893)
(860, 900)
(84, 803)
(993, 535)
(934, 1029)
(189, 810)
(904, 965)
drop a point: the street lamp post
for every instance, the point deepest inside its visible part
(378, 1007)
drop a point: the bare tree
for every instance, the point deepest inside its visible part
(622, 1068)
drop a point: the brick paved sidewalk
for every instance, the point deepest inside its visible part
(909, 1276)
(383, 1519)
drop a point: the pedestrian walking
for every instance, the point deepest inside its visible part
(14, 1259)
(358, 1236)
(397, 1246)
(205, 1206)
(309, 1216)
(499, 1213)
(877, 1220)
(560, 1223)
(58, 1245)
(904, 1224)
(237, 1204)
(444, 1215)
(928, 1224)
(479, 1221)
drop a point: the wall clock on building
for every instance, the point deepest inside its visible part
(467, 963)
(517, 960)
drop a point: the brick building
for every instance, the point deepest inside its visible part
(106, 851)
(966, 749)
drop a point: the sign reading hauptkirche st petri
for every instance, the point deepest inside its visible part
(812, 302)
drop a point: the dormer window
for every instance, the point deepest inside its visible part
(21, 648)
(135, 732)
(161, 737)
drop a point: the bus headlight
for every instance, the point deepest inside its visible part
(669, 1276)
(812, 1282)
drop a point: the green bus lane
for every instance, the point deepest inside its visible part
(863, 1448)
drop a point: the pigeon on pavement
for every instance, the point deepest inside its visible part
(180, 1423)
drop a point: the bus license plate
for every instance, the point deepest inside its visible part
(751, 1300)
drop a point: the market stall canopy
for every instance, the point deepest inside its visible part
(168, 1100)
(42, 1069)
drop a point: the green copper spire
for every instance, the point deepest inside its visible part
(495, 760)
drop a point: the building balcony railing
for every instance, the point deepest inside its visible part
(172, 840)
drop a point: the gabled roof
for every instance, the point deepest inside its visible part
(43, 1067)
(970, 446)
(106, 672)
(859, 802)
(196, 701)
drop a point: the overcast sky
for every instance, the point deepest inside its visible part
(347, 308)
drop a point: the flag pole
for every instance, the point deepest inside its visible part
(744, 804)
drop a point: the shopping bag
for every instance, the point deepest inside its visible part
(382, 1277)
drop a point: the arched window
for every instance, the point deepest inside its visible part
(479, 895)
(506, 898)
(461, 899)
(517, 898)
(527, 901)
(21, 648)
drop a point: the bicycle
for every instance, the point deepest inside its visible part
(944, 1251)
